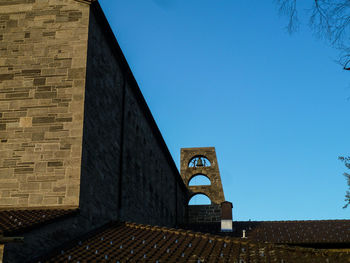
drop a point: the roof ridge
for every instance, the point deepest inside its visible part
(290, 221)
(30, 208)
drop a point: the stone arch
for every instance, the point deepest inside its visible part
(204, 160)
(189, 169)
(198, 175)
(198, 194)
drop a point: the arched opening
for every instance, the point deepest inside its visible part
(199, 199)
(199, 179)
(199, 161)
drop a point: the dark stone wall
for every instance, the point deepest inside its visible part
(127, 171)
(204, 213)
(100, 167)
(149, 185)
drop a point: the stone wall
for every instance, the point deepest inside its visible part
(1, 252)
(204, 213)
(126, 169)
(202, 161)
(43, 46)
(127, 172)
(74, 126)
(214, 191)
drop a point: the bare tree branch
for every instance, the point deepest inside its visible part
(329, 19)
(346, 161)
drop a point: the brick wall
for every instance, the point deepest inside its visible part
(43, 46)
(1, 252)
(74, 126)
(126, 169)
(204, 213)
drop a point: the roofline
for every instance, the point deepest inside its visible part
(73, 212)
(292, 221)
(117, 52)
(66, 207)
(175, 231)
(89, 2)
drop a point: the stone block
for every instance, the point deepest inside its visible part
(72, 190)
(35, 199)
(25, 122)
(55, 164)
(23, 170)
(59, 189)
(6, 77)
(62, 154)
(45, 185)
(14, 114)
(8, 185)
(50, 200)
(45, 95)
(76, 73)
(5, 193)
(31, 71)
(6, 173)
(38, 136)
(43, 120)
(8, 201)
(29, 186)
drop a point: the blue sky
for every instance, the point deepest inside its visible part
(227, 74)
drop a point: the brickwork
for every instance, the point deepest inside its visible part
(43, 46)
(204, 213)
(214, 191)
(192, 164)
(124, 172)
(147, 178)
(117, 161)
(1, 252)
(73, 122)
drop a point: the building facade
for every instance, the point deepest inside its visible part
(80, 155)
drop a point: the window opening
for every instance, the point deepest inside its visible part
(199, 179)
(199, 161)
(199, 199)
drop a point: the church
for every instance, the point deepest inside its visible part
(85, 174)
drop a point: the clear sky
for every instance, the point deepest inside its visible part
(226, 74)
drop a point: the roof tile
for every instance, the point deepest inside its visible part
(16, 221)
(284, 232)
(128, 242)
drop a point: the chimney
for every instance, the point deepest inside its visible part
(226, 216)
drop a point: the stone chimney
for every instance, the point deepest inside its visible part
(226, 216)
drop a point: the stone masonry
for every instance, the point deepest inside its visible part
(75, 129)
(214, 191)
(43, 51)
(193, 163)
(126, 167)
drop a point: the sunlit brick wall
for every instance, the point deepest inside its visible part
(43, 47)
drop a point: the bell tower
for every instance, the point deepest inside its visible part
(202, 162)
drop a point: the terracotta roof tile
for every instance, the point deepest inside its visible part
(285, 232)
(127, 242)
(16, 221)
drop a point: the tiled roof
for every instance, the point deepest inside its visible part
(17, 221)
(285, 232)
(128, 242)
